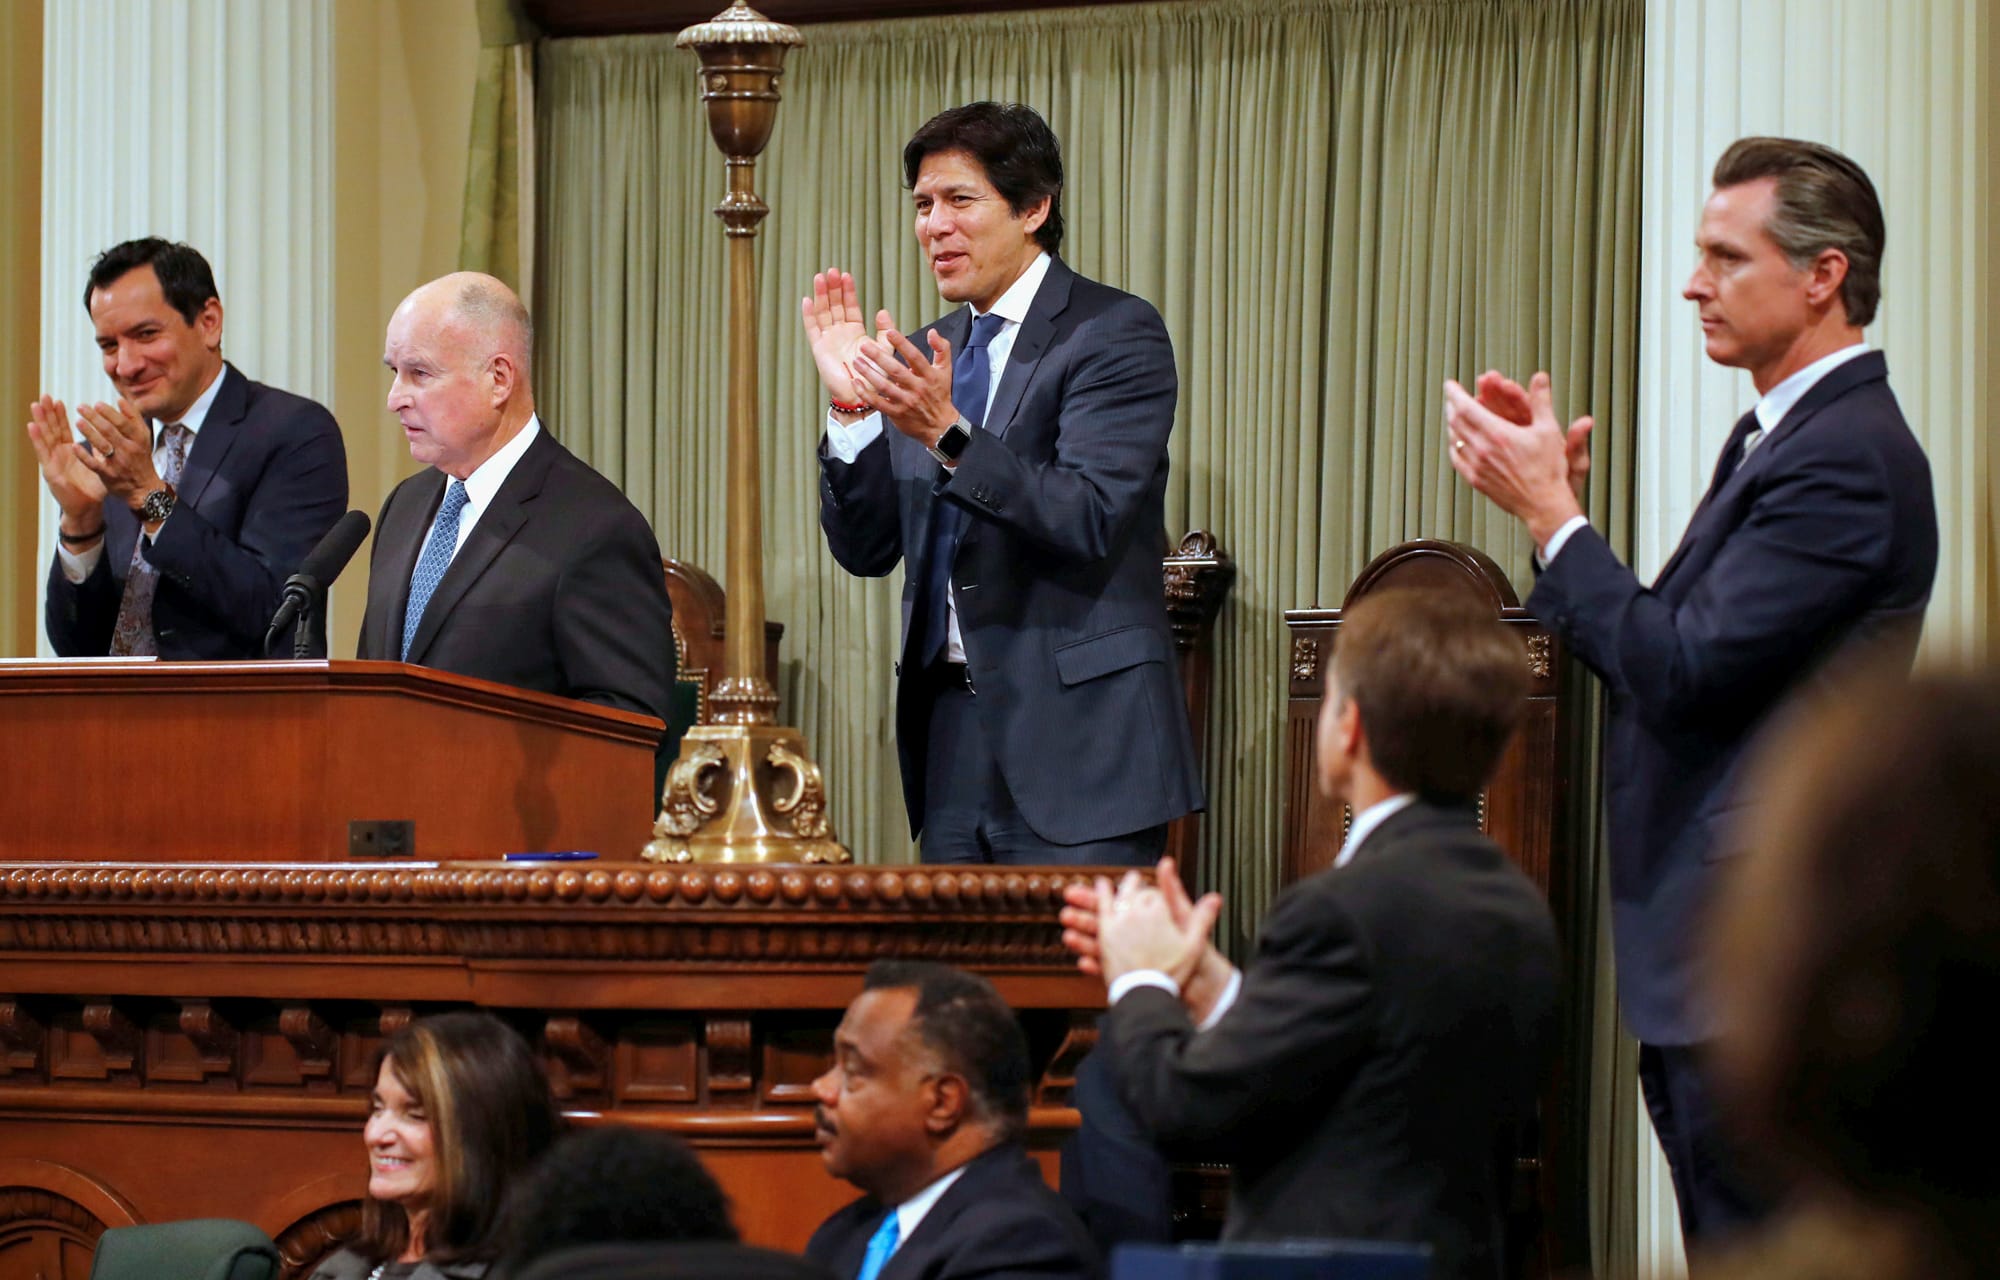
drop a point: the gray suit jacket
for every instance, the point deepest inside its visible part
(1057, 577)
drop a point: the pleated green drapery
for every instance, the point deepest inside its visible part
(497, 223)
(1336, 205)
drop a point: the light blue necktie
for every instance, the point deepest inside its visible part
(434, 561)
(880, 1246)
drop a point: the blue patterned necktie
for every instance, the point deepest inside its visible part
(880, 1246)
(434, 561)
(969, 382)
(132, 631)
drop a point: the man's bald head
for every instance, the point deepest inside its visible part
(459, 348)
(484, 313)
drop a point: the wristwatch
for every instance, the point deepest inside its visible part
(952, 443)
(159, 504)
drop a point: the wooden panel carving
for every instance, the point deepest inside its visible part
(21, 1038)
(1198, 575)
(204, 1044)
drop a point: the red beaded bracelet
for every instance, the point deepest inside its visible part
(838, 407)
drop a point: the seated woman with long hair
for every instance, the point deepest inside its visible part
(461, 1108)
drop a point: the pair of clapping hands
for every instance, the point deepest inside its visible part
(885, 372)
(119, 461)
(1137, 926)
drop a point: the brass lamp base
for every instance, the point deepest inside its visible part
(744, 793)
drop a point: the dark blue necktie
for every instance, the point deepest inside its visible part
(969, 382)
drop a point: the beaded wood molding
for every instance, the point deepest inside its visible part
(796, 916)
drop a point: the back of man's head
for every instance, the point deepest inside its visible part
(614, 1184)
(1823, 201)
(972, 1032)
(186, 280)
(1440, 684)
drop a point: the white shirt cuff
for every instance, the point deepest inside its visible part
(1224, 1001)
(846, 440)
(1141, 978)
(77, 567)
(1559, 537)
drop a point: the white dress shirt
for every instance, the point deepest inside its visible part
(845, 441)
(1360, 829)
(485, 481)
(912, 1211)
(1771, 409)
(76, 567)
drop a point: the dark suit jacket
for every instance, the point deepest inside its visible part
(558, 588)
(264, 481)
(1057, 577)
(1391, 1036)
(672, 1260)
(997, 1221)
(1824, 540)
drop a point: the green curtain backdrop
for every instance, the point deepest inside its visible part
(496, 225)
(1335, 205)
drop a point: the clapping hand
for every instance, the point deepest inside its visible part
(121, 450)
(834, 327)
(1528, 468)
(1092, 914)
(75, 486)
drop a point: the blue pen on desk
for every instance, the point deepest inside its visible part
(562, 855)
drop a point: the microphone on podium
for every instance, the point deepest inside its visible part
(306, 589)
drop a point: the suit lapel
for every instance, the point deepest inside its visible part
(217, 435)
(497, 525)
(1870, 367)
(1029, 345)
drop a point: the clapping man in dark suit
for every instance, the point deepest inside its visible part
(509, 559)
(1817, 538)
(1013, 458)
(1371, 1073)
(924, 1109)
(189, 502)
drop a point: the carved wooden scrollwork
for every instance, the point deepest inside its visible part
(22, 1036)
(687, 801)
(1541, 654)
(1197, 576)
(580, 1057)
(730, 1065)
(1305, 659)
(214, 1038)
(1057, 1087)
(44, 1234)
(309, 1241)
(313, 1041)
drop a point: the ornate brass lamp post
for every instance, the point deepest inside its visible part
(744, 788)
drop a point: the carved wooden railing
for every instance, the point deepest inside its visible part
(193, 1040)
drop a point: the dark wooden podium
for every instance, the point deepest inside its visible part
(194, 975)
(310, 761)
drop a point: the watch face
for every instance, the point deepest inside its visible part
(953, 441)
(159, 505)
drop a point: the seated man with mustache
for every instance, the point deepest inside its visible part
(924, 1109)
